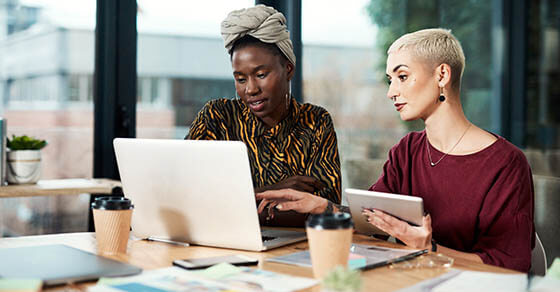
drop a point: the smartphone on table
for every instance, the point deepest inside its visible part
(201, 263)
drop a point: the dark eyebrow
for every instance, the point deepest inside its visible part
(260, 67)
(398, 66)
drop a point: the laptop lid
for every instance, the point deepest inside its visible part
(59, 264)
(199, 192)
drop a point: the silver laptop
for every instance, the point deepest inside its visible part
(59, 264)
(200, 192)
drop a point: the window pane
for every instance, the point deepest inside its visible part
(182, 63)
(343, 71)
(46, 69)
(543, 120)
(544, 69)
(344, 51)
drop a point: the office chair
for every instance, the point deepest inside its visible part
(538, 258)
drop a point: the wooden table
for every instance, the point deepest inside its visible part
(153, 255)
(60, 187)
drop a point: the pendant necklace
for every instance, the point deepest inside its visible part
(445, 154)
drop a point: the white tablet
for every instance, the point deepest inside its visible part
(407, 208)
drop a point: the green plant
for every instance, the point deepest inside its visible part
(343, 279)
(25, 143)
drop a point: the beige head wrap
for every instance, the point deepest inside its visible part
(261, 22)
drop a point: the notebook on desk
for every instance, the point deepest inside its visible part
(200, 192)
(59, 264)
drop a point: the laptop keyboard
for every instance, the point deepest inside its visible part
(268, 238)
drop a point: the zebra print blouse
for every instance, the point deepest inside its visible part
(304, 143)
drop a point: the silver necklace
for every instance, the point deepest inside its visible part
(445, 154)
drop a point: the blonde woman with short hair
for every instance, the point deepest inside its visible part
(476, 186)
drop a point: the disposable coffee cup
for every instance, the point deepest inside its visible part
(330, 238)
(111, 217)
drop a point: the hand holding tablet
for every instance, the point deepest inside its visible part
(403, 207)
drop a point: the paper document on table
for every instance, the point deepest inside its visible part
(20, 284)
(256, 279)
(218, 271)
(483, 281)
(428, 285)
(459, 280)
(374, 256)
(160, 280)
(221, 277)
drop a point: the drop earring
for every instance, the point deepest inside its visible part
(288, 95)
(441, 96)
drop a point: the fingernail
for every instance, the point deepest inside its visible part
(279, 207)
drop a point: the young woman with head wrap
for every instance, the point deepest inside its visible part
(291, 145)
(476, 186)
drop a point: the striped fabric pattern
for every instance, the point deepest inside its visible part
(304, 143)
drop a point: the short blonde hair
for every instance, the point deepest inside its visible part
(436, 46)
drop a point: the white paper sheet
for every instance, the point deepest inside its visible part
(483, 281)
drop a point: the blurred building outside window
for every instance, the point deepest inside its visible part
(344, 72)
(182, 63)
(46, 69)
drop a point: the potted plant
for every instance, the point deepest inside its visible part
(24, 159)
(342, 279)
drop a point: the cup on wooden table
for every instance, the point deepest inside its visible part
(330, 238)
(112, 217)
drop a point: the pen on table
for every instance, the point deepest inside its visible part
(167, 241)
(409, 256)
